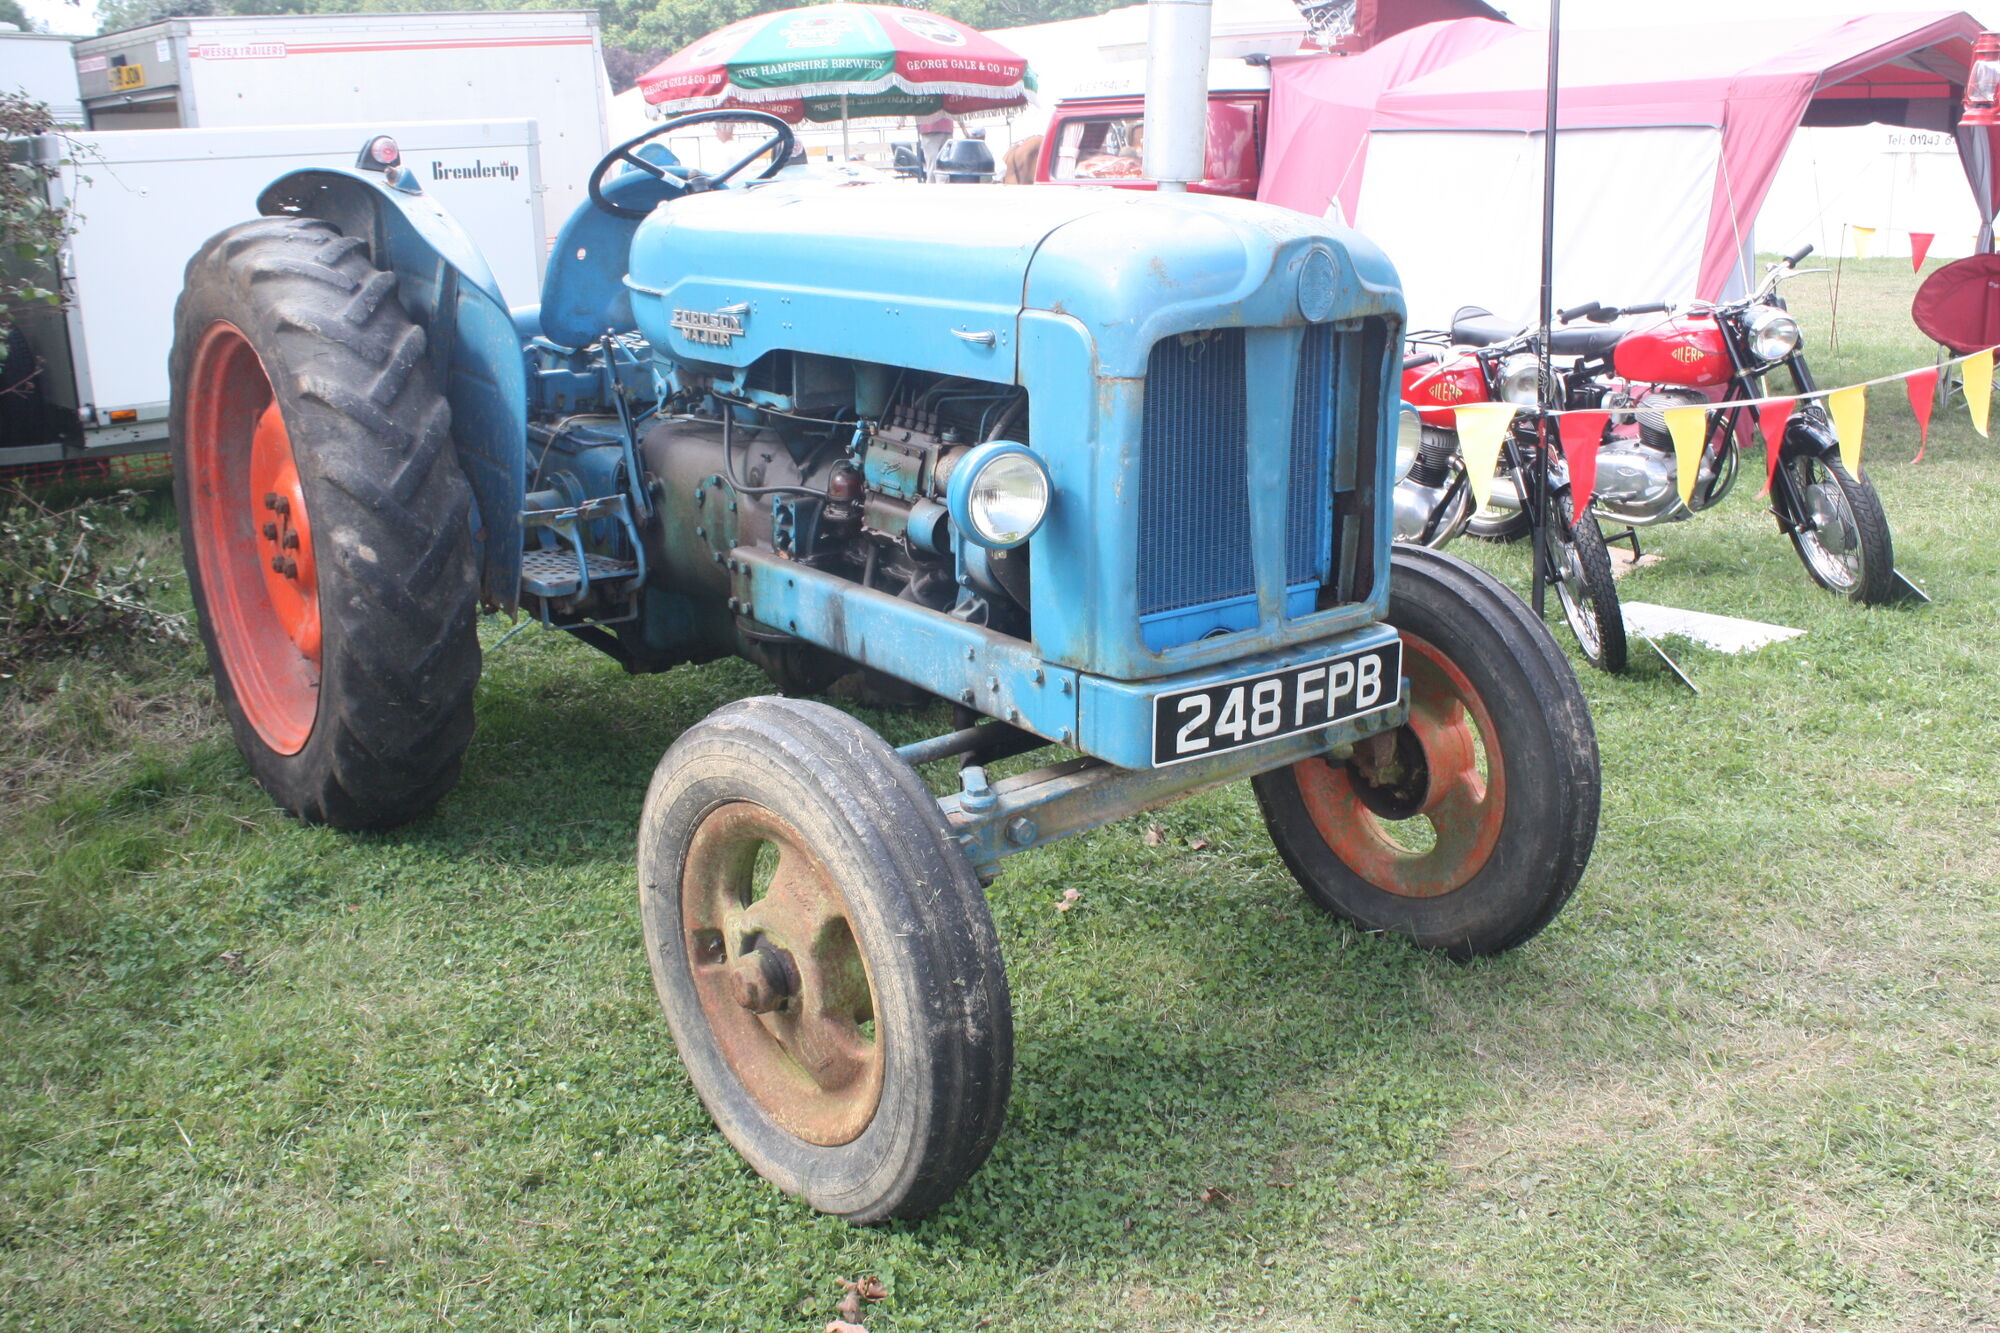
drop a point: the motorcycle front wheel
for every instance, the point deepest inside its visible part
(1841, 533)
(1579, 565)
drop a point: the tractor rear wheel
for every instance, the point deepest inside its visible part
(1467, 828)
(325, 524)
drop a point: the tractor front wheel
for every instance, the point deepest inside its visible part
(1467, 828)
(325, 524)
(825, 958)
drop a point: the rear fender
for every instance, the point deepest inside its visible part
(447, 287)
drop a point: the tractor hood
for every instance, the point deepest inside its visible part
(935, 277)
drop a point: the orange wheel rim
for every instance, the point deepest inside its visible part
(253, 540)
(1455, 827)
(783, 982)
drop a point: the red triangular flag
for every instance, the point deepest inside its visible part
(1922, 385)
(1581, 433)
(1771, 419)
(1920, 245)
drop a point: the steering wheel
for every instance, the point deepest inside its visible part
(779, 145)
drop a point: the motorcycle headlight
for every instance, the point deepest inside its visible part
(1409, 439)
(998, 494)
(1774, 335)
(1521, 380)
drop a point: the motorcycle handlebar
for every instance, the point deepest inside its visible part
(1420, 359)
(1797, 257)
(1649, 308)
(1579, 311)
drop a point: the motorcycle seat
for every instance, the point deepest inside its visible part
(1476, 326)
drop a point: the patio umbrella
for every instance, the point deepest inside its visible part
(836, 61)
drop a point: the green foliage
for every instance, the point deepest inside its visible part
(32, 230)
(64, 586)
(11, 12)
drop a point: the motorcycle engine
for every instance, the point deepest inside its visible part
(1653, 419)
(1635, 468)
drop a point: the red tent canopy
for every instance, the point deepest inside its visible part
(1754, 83)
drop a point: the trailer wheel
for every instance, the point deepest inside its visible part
(825, 959)
(1466, 829)
(325, 524)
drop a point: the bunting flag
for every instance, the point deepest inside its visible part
(1979, 388)
(1862, 235)
(1581, 433)
(1481, 428)
(1922, 386)
(1920, 245)
(1849, 409)
(1689, 427)
(1771, 420)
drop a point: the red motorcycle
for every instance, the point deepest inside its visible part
(1434, 502)
(1727, 352)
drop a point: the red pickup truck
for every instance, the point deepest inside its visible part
(1099, 141)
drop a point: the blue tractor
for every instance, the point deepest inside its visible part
(1105, 470)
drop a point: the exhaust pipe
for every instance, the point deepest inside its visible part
(1176, 148)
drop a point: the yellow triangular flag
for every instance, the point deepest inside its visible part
(1979, 387)
(1862, 235)
(1850, 415)
(1481, 428)
(1689, 427)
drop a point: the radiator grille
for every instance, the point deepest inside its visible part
(1309, 501)
(1194, 499)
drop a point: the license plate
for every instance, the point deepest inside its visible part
(1193, 724)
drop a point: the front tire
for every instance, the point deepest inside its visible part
(325, 524)
(825, 959)
(1580, 569)
(1841, 534)
(1474, 839)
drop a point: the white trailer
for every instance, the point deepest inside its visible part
(146, 200)
(345, 68)
(40, 65)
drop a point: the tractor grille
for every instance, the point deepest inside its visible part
(1194, 499)
(1196, 569)
(1309, 503)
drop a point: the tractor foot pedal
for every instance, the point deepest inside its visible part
(554, 571)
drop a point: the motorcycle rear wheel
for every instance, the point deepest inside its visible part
(1844, 540)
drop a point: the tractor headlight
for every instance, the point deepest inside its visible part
(998, 494)
(1521, 380)
(1409, 440)
(1774, 335)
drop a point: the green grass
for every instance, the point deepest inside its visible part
(258, 1075)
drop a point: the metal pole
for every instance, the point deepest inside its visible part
(843, 127)
(1539, 511)
(1176, 146)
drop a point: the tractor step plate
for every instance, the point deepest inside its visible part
(553, 572)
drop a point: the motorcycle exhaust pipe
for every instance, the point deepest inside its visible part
(1506, 495)
(1176, 145)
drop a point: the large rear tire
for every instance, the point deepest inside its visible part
(325, 524)
(825, 958)
(1467, 829)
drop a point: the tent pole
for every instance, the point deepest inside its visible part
(843, 126)
(1540, 508)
